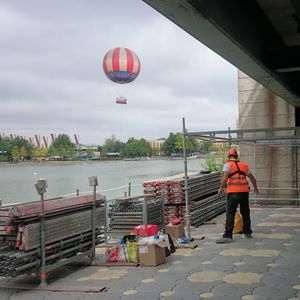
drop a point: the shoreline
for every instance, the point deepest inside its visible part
(76, 162)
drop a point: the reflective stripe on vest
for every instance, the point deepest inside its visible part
(237, 183)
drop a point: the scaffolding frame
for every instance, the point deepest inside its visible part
(273, 137)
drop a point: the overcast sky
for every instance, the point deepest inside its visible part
(51, 77)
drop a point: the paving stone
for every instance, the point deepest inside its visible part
(248, 267)
(222, 297)
(279, 282)
(172, 276)
(200, 287)
(157, 286)
(258, 261)
(274, 293)
(6, 293)
(228, 289)
(64, 296)
(30, 295)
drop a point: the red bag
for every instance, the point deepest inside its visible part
(176, 221)
(146, 230)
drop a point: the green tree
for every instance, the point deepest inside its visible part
(22, 143)
(23, 152)
(112, 144)
(62, 146)
(191, 145)
(15, 153)
(10, 147)
(174, 144)
(5, 149)
(137, 148)
(169, 146)
(40, 153)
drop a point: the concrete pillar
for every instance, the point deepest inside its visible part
(274, 166)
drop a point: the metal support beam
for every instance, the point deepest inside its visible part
(285, 59)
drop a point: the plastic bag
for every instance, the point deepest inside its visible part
(112, 254)
(132, 252)
(116, 254)
(238, 223)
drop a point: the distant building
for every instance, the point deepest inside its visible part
(113, 154)
(86, 152)
(156, 146)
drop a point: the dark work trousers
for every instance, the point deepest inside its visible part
(233, 200)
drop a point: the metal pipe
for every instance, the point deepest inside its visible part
(25, 267)
(184, 132)
(43, 242)
(145, 217)
(61, 253)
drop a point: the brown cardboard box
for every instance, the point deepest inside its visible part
(175, 231)
(152, 255)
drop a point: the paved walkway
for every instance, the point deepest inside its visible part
(265, 267)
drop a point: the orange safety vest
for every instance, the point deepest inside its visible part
(237, 181)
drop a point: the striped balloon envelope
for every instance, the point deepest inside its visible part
(121, 65)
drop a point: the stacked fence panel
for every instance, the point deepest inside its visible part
(126, 213)
(68, 233)
(204, 202)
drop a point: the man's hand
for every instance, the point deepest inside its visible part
(220, 191)
(255, 191)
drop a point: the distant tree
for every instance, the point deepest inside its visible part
(179, 143)
(191, 145)
(169, 146)
(174, 144)
(40, 153)
(205, 145)
(137, 148)
(23, 144)
(62, 146)
(15, 153)
(19, 145)
(22, 152)
(99, 148)
(112, 144)
(5, 149)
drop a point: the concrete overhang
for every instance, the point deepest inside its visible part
(259, 37)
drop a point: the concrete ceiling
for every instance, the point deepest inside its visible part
(259, 37)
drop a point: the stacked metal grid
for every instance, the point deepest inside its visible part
(202, 189)
(68, 232)
(125, 213)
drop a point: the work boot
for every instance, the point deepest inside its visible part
(224, 240)
(248, 236)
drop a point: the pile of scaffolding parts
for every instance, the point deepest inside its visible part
(68, 233)
(204, 201)
(127, 212)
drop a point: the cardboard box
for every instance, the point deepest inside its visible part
(152, 255)
(175, 231)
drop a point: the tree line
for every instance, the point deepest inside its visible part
(20, 149)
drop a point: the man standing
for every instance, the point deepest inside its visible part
(235, 176)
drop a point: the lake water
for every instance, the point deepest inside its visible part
(17, 183)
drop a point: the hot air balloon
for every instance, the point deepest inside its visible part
(121, 65)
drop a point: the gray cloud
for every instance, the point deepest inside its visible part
(51, 78)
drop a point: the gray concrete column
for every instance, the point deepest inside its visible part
(275, 166)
